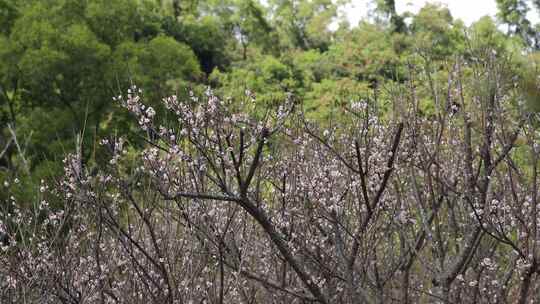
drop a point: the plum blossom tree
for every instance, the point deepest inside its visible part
(228, 203)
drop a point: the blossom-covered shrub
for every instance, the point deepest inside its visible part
(232, 204)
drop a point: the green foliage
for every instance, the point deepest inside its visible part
(308, 68)
(112, 21)
(530, 82)
(328, 97)
(485, 37)
(265, 76)
(366, 53)
(204, 35)
(388, 9)
(66, 59)
(303, 24)
(434, 32)
(8, 15)
(158, 66)
(513, 13)
(249, 21)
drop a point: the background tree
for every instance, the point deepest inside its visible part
(388, 8)
(513, 13)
